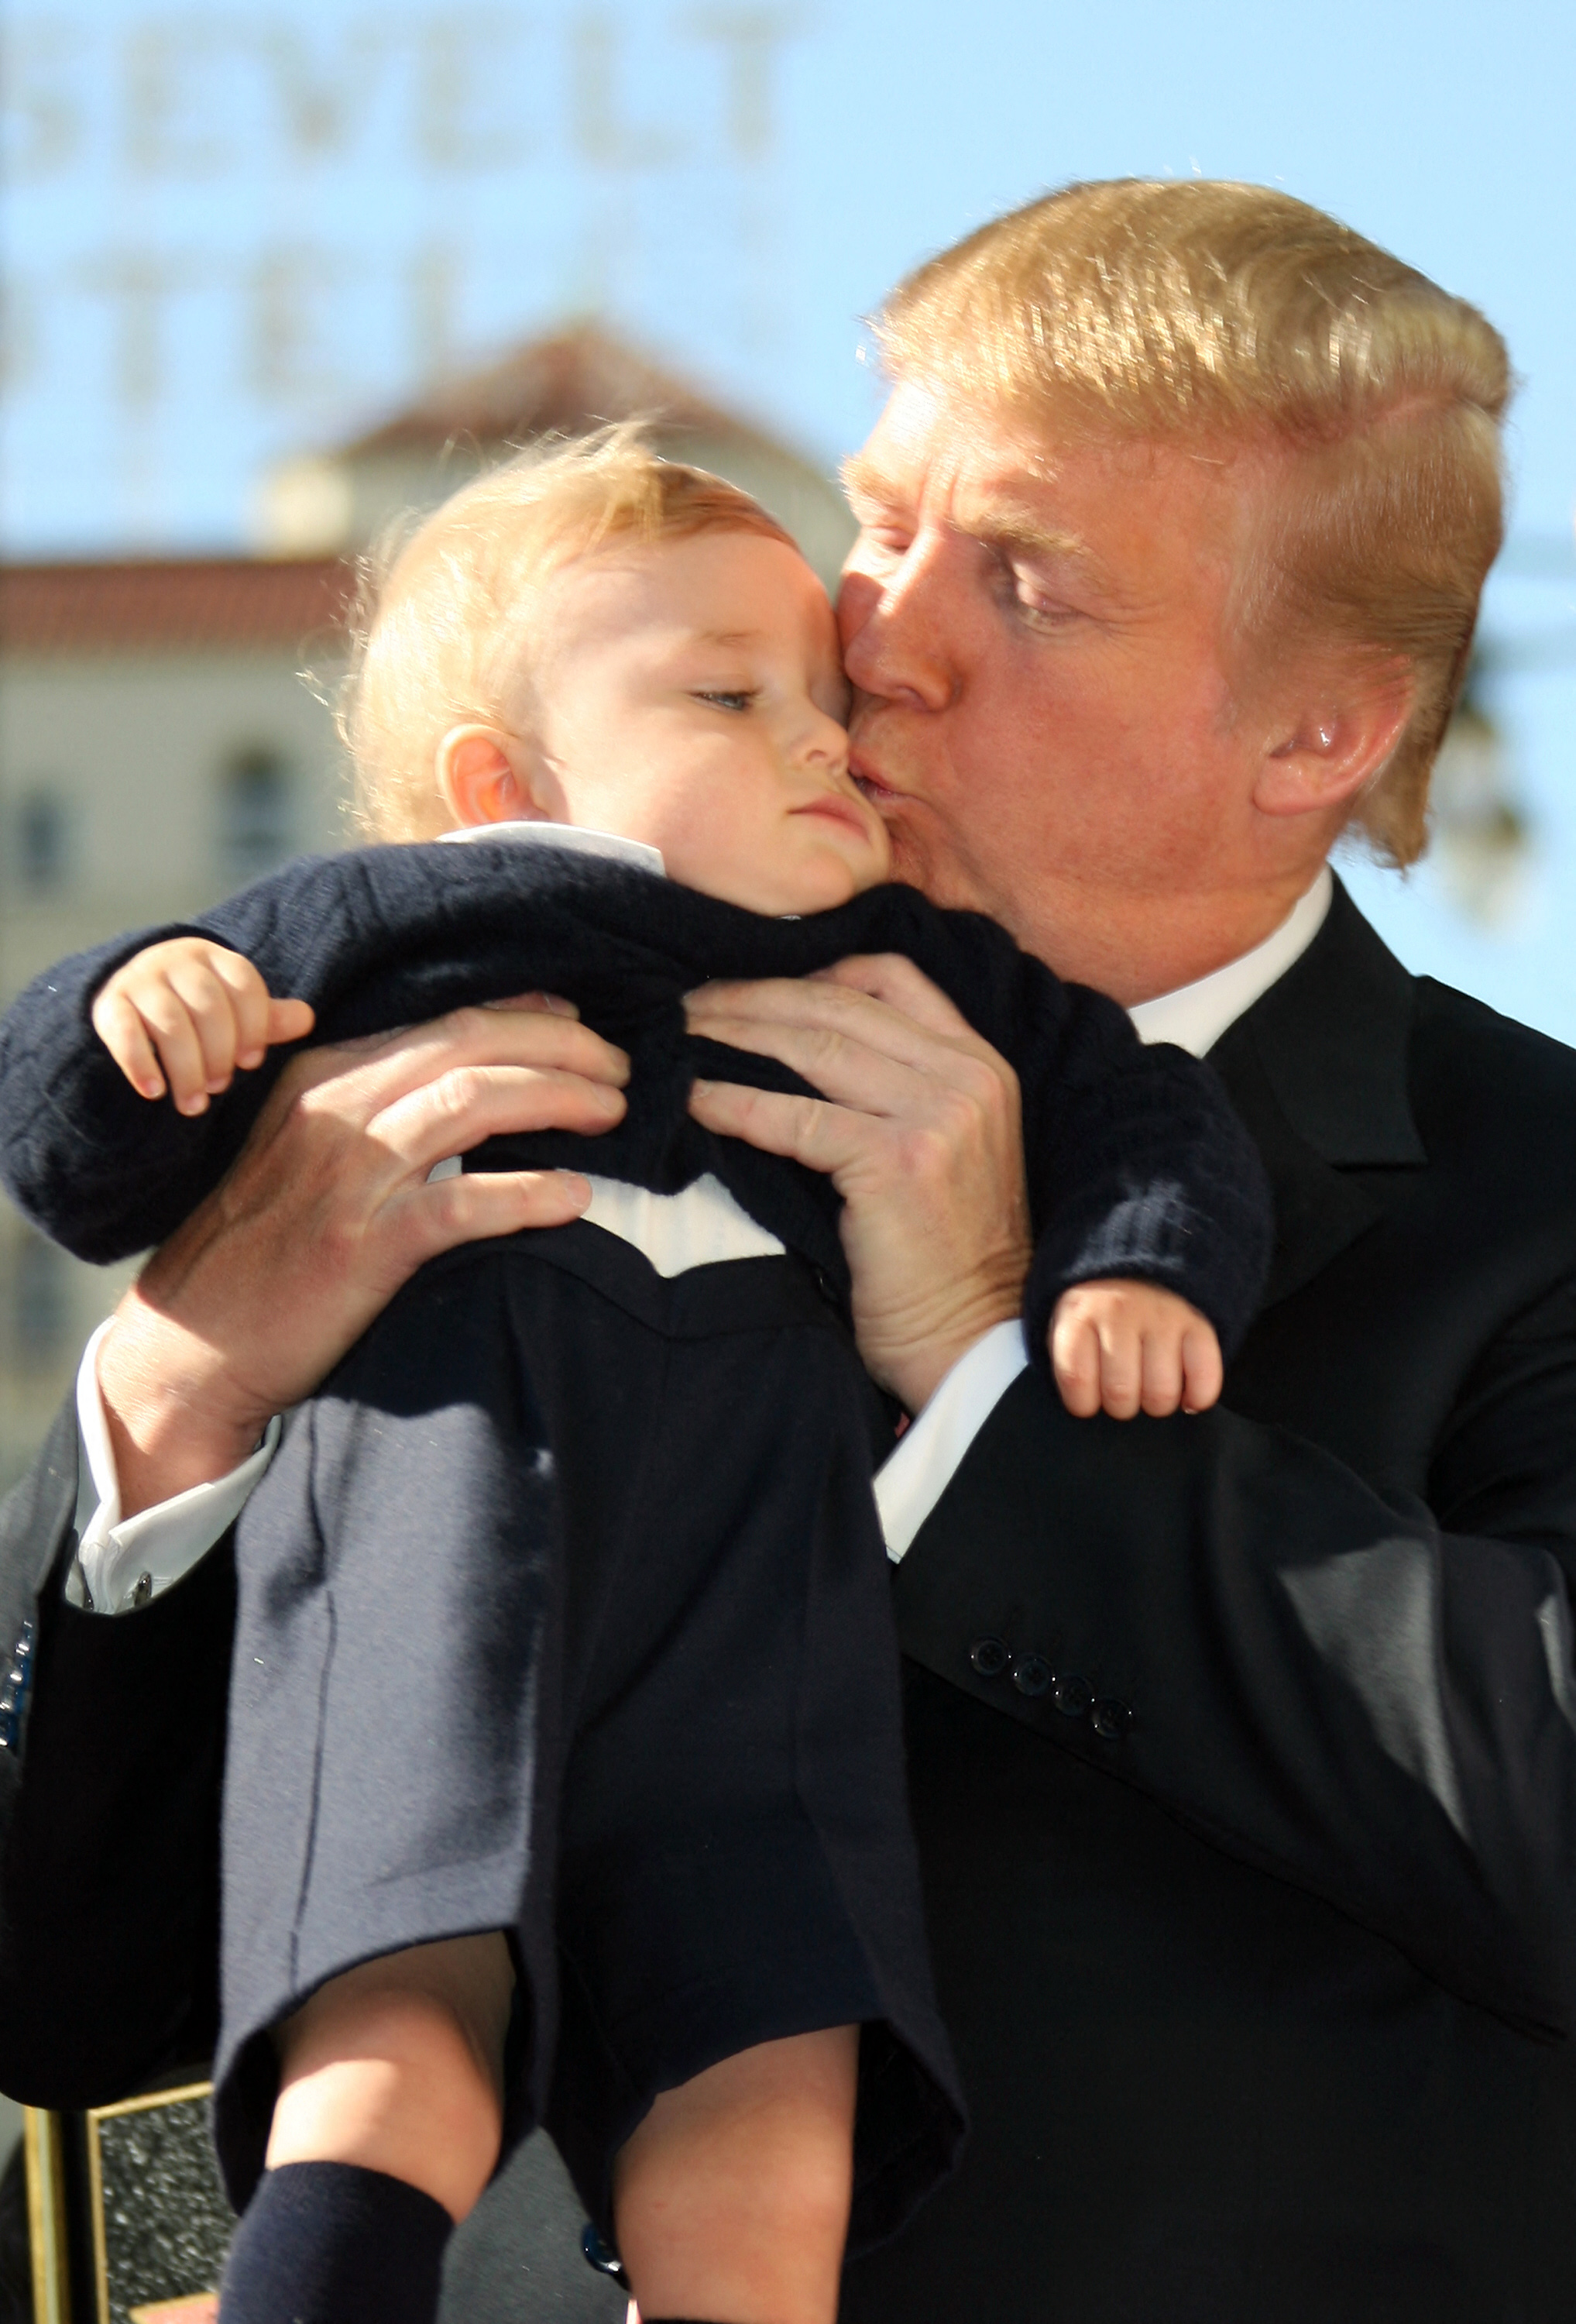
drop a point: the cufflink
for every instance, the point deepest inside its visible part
(13, 1688)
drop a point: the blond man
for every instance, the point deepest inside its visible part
(1244, 1767)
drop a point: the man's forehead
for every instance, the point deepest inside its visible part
(1083, 499)
(1008, 502)
(926, 446)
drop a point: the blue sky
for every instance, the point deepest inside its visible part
(233, 231)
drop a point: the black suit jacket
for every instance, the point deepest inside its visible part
(1243, 1750)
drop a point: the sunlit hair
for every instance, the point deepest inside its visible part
(1239, 319)
(448, 616)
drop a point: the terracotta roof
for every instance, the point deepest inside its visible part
(165, 604)
(570, 383)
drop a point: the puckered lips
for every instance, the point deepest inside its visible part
(868, 779)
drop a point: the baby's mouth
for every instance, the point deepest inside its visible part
(839, 810)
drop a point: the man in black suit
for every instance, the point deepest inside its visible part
(1243, 1746)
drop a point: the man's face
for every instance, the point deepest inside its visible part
(1036, 634)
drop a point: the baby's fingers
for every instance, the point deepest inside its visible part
(234, 1010)
(125, 1036)
(1121, 1369)
(1162, 1382)
(288, 1020)
(1204, 1368)
(1075, 1361)
(169, 1025)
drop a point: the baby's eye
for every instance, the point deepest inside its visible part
(726, 699)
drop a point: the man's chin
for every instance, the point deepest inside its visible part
(918, 862)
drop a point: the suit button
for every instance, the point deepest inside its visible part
(989, 1656)
(1073, 1695)
(1111, 1719)
(1031, 1675)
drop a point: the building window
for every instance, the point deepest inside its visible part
(42, 1297)
(42, 839)
(256, 813)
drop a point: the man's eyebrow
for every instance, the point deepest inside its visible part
(999, 519)
(1009, 524)
(861, 479)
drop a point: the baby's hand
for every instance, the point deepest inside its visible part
(197, 1011)
(1120, 1347)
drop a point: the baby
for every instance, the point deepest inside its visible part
(565, 1776)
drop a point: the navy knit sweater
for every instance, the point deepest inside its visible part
(1137, 1165)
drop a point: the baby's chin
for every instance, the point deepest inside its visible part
(827, 884)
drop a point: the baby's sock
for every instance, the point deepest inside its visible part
(329, 2243)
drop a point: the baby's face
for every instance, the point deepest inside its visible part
(690, 694)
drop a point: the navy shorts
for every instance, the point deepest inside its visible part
(564, 1610)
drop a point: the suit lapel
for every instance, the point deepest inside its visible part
(1317, 1069)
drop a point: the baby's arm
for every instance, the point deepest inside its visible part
(184, 1014)
(1128, 1347)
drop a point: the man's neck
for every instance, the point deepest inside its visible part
(1140, 946)
(1195, 1015)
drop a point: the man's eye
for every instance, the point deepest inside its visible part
(1031, 600)
(725, 699)
(883, 539)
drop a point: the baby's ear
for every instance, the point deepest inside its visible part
(483, 777)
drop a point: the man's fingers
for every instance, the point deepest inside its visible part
(372, 1075)
(892, 979)
(1204, 1368)
(826, 1137)
(125, 1036)
(485, 1203)
(461, 1108)
(797, 1020)
(543, 1004)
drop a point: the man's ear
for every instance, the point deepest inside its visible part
(486, 777)
(1338, 742)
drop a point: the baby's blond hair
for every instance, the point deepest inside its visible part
(1235, 316)
(443, 632)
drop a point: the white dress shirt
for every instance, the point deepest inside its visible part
(120, 1565)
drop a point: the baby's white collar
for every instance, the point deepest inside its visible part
(571, 839)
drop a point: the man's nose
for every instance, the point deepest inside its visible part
(894, 643)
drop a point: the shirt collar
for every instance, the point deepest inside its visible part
(570, 838)
(1196, 1016)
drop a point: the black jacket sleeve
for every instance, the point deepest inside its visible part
(1364, 1695)
(110, 1780)
(1139, 1168)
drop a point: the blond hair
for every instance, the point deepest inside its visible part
(443, 629)
(1236, 316)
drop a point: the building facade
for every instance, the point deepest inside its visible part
(165, 725)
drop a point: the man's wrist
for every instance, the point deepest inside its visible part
(175, 1419)
(912, 1370)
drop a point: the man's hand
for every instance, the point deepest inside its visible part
(919, 1128)
(1125, 1348)
(325, 1213)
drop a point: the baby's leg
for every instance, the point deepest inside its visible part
(732, 2198)
(385, 2131)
